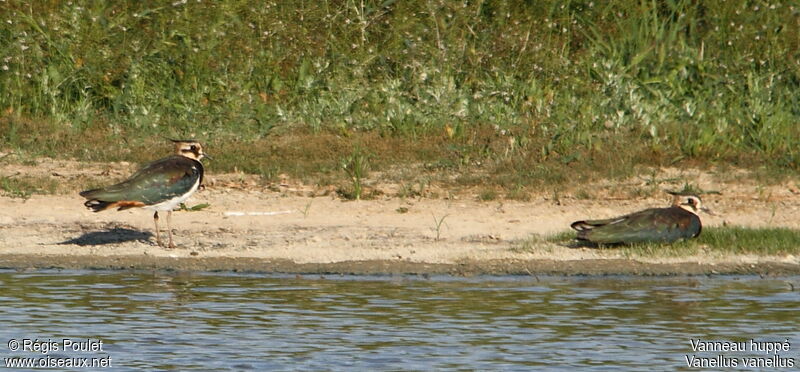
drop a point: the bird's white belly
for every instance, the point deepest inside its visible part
(172, 203)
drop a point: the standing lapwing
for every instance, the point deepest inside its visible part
(160, 186)
(662, 225)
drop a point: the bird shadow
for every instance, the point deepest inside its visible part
(113, 236)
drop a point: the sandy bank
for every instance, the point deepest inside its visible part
(279, 231)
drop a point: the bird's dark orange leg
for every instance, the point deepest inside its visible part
(169, 228)
(158, 236)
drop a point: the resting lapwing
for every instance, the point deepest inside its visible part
(664, 225)
(160, 186)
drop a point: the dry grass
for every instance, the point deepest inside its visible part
(503, 96)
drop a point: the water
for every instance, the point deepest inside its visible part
(167, 321)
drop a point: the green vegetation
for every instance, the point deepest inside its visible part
(542, 243)
(518, 193)
(15, 189)
(487, 195)
(356, 166)
(306, 209)
(23, 187)
(712, 241)
(437, 223)
(194, 208)
(514, 94)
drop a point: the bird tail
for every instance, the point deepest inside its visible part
(90, 194)
(97, 205)
(101, 205)
(583, 228)
(581, 225)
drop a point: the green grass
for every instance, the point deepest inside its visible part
(712, 241)
(24, 187)
(437, 225)
(194, 208)
(14, 188)
(356, 165)
(521, 93)
(540, 243)
(518, 193)
(487, 195)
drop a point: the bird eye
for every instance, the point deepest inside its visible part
(193, 148)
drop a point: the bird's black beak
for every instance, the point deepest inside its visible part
(207, 156)
(708, 212)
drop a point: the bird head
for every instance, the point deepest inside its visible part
(190, 149)
(689, 202)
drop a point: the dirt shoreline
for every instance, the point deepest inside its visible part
(597, 267)
(292, 228)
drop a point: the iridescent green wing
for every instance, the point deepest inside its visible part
(157, 182)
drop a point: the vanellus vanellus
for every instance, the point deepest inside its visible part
(664, 225)
(160, 186)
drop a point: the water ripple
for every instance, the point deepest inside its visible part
(257, 322)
